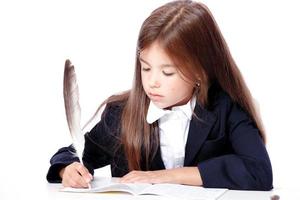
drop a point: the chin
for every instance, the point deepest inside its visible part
(160, 105)
(163, 105)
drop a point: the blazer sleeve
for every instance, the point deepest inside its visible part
(101, 141)
(63, 157)
(249, 167)
(97, 150)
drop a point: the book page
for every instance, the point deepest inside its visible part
(103, 172)
(104, 184)
(185, 191)
(109, 184)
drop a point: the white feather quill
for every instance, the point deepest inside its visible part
(72, 107)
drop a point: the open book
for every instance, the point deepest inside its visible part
(168, 190)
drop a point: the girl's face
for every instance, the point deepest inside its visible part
(162, 82)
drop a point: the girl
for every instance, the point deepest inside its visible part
(188, 119)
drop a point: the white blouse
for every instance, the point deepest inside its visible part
(173, 131)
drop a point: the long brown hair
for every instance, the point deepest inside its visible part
(188, 33)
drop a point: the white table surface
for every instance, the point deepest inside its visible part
(52, 191)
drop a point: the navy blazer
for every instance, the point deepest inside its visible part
(222, 142)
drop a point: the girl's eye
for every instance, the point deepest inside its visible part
(146, 69)
(168, 73)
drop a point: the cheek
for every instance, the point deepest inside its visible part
(175, 85)
(144, 80)
(181, 88)
(170, 86)
(173, 89)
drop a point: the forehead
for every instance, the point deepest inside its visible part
(155, 53)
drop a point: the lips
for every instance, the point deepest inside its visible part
(154, 96)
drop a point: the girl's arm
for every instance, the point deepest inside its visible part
(184, 175)
(94, 155)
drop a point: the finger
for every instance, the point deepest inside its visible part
(70, 181)
(74, 184)
(76, 180)
(127, 177)
(84, 172)
(142, 177)
(135, 176)
(138, 179)
(72, 177)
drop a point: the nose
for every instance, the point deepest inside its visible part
(154, 80)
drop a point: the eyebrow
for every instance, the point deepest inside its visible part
(163, 65)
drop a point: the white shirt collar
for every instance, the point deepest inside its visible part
(155, 113)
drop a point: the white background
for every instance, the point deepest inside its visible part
(100, 39)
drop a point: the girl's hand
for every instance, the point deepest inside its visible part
(146, 177)
(75, 175)
(184, 175)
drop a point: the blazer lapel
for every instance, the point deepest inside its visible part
(200, 127)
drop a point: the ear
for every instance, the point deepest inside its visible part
(198, 81)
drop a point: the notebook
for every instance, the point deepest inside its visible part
(106, 184)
